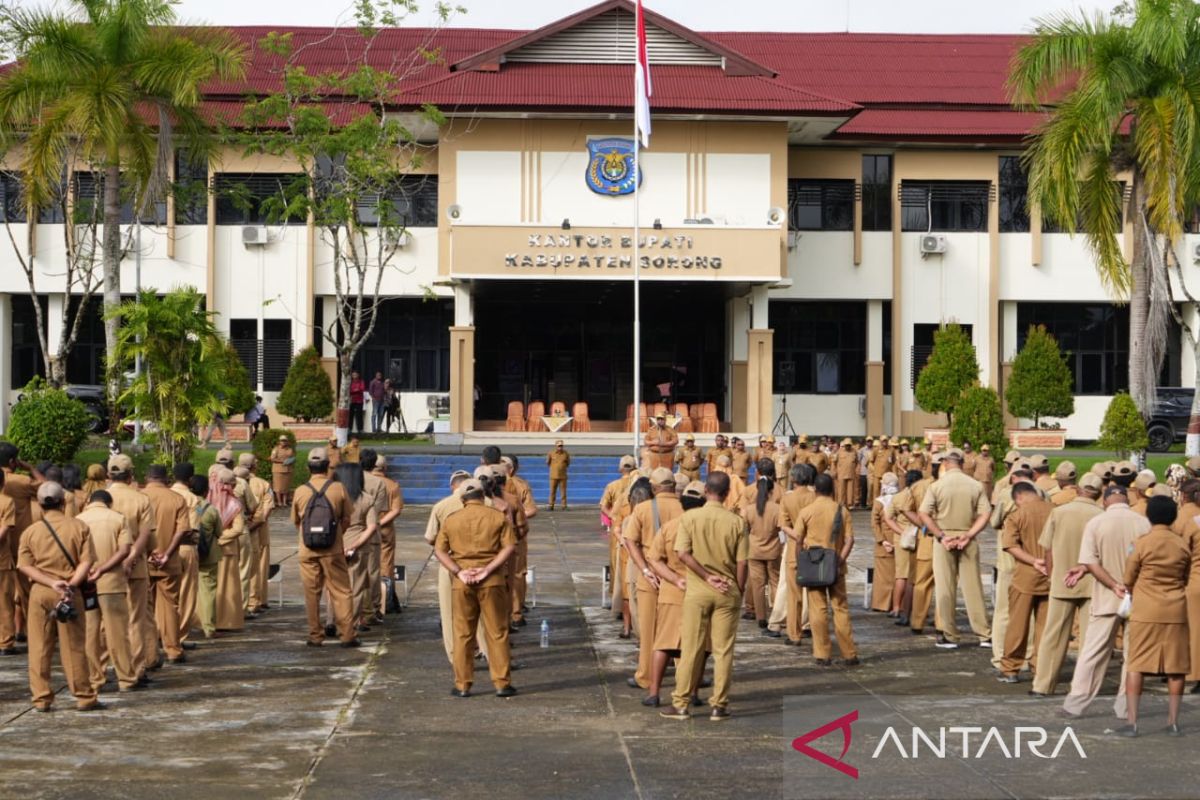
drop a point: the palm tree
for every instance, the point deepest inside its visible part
(1123, 94)
(109, 85)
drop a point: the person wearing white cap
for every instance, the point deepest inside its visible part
(611, 501)
(437, 515)
(135, 507)
(645, 521)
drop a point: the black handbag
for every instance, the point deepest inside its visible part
(817, 567)
(87, 590)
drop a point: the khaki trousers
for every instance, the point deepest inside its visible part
(387, 564)
(139, 620)
(165, 598)
(1005, 564)
(615, 549)
(108, 636)
(873, 484)
(206, 600)
(1016, 638)
(1056, 637)
(446, 616)
(764, 578)
(520, 565)
(884, 583)
(1092, 663)
(189, 586)
(629, 584)
(845, 490)
(44, 630)
(8, 606)
(231, 607)
(558, 485)
(247, 565)
(321, 573)
(364, 565)
(473, 605)
(779, 606)
(262, 568)
(922, 597)
(952, 569)
(647, 604)
(705, 612)
(819, 603)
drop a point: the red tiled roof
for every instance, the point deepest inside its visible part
(919, 123)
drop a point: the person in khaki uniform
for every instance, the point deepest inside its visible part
(845, 469)
(737, 487)
(55, 574)
(985, 470)
(387, 526)
(22, 490)
(350, 453)
(660, 443)
(918, 461)
(1156, 638)
(819, 460)
(8, 573)
(689, 458)
(720, 448)
(922, 569)
(135, 507)
(783, 465)
(1029, 592)
(283, 460)
(1042, 478)
(437, 515)
(1064, 478)
(1187, 527)
(765, 449)
(883, 586)
(814, 527)
(955, 511)
(643, 524)
(1141, 489)
(473, 545)
(189, 558)
(610, 501)
(714, 545)
(333, 453)
(259, 534)
(1061, 539)
(970, 457)
(1108, 539)
(796, 599)
(360, 541)
(322, 570)
(172, 524)
(226, 494)
(208, 530)
(880, 462)
(559, 461)
(895, 518)
(520, 489)
(108, 625)
(739, 461)
(762, 517)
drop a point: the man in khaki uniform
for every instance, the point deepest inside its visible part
(739, 461)
(1064, 478)
(970, 457)
(1141, 490)
(1107, 542)
(172, 524)
(714, 545)
(322, 570)
(955, 511)
(721, 448)
(387, 527)
(22, 490)
(135, 507)
(689, 458)
(1028, 594)
(437, 515)
(819, 460)
(985, 470)
(473, 545)
(189, 557)
(918, 459)
(1041, 475)
(112, 539)
(559, 461)
(906, 508)
(1002, 506)
(8, 573)
(814, 528)
(258, 532)
(845, 469)
(1061, 539)
(661, 441)
(519, 488)
(737, 488)
(792, 598)
(645, 521)
(881, 460)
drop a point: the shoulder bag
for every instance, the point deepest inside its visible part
(817, 567)
(91, 599)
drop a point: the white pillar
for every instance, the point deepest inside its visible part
(759, 307)
(1008, 326)
(464, 305)
(56, 313)
(5, 358)
(874, 330)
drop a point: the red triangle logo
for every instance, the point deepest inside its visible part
(841, 723)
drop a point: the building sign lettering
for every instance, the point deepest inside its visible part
(596, 251)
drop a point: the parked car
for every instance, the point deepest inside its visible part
(1169, 422)
(93, 400)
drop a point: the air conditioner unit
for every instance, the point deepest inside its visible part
(399, 239)
(933, 243)
(1196, 253)
(862, 406)
(255, 235)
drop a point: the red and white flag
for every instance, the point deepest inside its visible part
(642, 89)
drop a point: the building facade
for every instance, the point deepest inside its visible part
(811, 208)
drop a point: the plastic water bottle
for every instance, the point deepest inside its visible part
(545, 633)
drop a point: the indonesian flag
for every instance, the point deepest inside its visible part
(642, 90)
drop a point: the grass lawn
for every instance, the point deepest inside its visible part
(202, 459)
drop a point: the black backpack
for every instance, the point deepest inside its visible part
(318, 530)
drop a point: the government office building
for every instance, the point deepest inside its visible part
(812, 207)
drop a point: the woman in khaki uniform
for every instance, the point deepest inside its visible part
(231, 615)
(283, 458)
(361, 534)
(762, 515)
(813, 527)
(1156, 636)
(884, 584)
(1187, 527)
(904, 564)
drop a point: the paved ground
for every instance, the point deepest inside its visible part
(259, 715)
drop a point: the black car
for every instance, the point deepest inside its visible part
(93, 400)
(1169, 422)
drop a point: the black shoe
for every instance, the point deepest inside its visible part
(792, 643)
(851, 662)
(719, 714)
(311, 643)
(21, 639)
(524, 609)
(513, 627)
(378, 618)
(520, 623)
(1128, 731)
(632, 683)
(1173, 730)
(1195, 689)
(507, 691)
(624, 635)
(917, 631)
(772, 634)
(516, 665)
(651, 701)
(43, 709)
(137, 687)
(944, 643)
(748, 615)
(12, 651)
(824, 662)
(670, 712)
(355, 642)
(93, 707)
(901, 621)
(331, 631)
(188, 645)
(460, 692)
(762, 623)
(1008, 679)
(250, 615)
(696, 700)
(1032, 693)
(144, 680)
(182, 659)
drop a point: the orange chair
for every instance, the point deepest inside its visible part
(516, 416)
(645, 422)
(660, 409)
(685, 419)
(558, 409)
(537, 410)
(708, 419)
(580, 420)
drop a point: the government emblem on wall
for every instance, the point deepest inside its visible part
(610, 166)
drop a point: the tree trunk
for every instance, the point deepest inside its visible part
(1141, 372)
(341, 419)
(112, 284)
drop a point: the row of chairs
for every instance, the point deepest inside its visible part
(696, 418)
(522, 419)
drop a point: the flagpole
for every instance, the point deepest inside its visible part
(637, 294)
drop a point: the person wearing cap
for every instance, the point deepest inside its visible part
(259, 535)
(955, 511)
(324, 569)
(1002, 506)
(108, 623)
(969, 458)
(1061, 539)
(765, 449)
(437, 515)
(814, 527)
(884, 583)
(862, 488)
(610, 501)
(645, 521)
(737, 487)
(720, 448)
(845, 472)
(505, 501)
(559, 461)
(1029, 590)
(904, 563)
(135, 507)
(985, 469)
(247, 544)
(881, 461)
(189, 563)
(1042, 478)
(224, 459)
(660, 443)
(739, 461)
(1010, 458)
(55, 556)
(393, 506)
(333, 453)
(21, 489)
(689, 458)
(906, 509)
(713, 543)
(791, 602)
(918, 461)
(800, 451)
(351, 452)
(1064, 477)
(903, 458)
(1141, 490)
(519, 488)
(283, 460)
(1108, 540)
(474, 544)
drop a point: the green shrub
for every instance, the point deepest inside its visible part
(47, 424)
(264, 442)
(307, 392)
(1041, 384)
(979, 420)
(1123, 430)
(951, 368)
(239, 394)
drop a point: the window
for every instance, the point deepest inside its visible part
(877, 193)
(190, 190)
(887, 347)
(820, 205)
(410, 345)
(259, 198)
(1048, 226)
(26, 352)
(243, 335)
(85, 362)
(89, 193)
(1014, 196)
(820, 348)
(414, 202)
(947, 206)
(277, 351)
(922, 348)
(12, 207)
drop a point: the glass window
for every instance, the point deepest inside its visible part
(26, 352)
(190, 190)
(877, 193)
(824, 205)
(1048, 226)
(89, 196)
(1014, 196)
(259, 198)
(413, 202)
(410, 345)
(820, 348)
(12, 207)
(944, 206)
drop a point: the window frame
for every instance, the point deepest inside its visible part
(834, 201)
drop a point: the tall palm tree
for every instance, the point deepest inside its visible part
(110, 85)
(1123, 93)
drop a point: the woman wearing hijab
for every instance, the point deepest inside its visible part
(884, 584)
(283, 460)
(362, 533)
(230, 612)
(97, 479)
